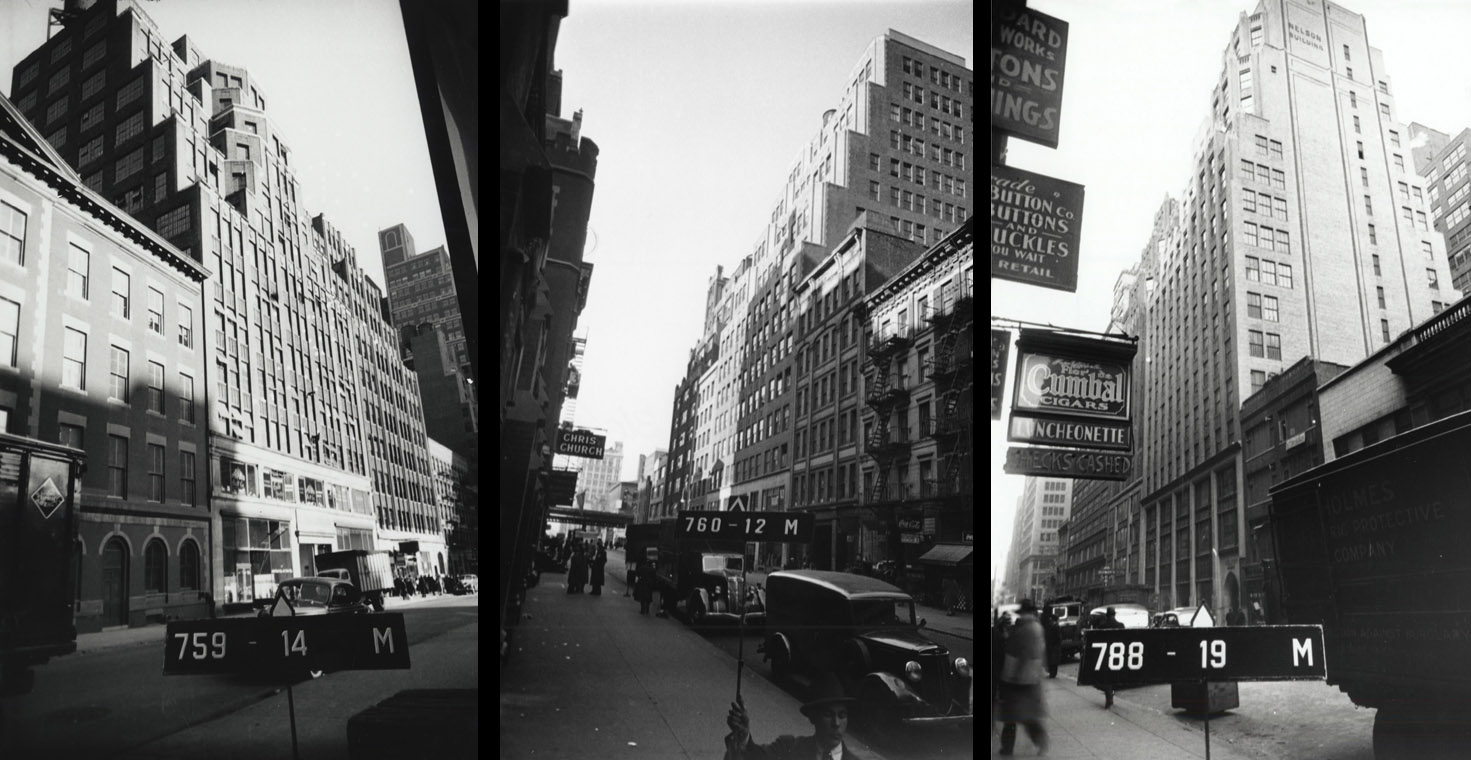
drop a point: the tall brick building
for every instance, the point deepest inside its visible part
(315, 433)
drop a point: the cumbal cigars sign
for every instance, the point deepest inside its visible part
(1036, 224)
(1048, 382)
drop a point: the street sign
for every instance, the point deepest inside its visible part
(320, 642)
(736, 503)
(1119, 656)
(1036, 227)
(1028, 57)
(778, 527)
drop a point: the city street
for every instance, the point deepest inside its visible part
(111, 699)
(955, 633)
(1276, 721)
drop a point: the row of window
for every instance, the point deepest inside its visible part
(1264, 344)
(1264, 204)
(1263, 174)
(117, 465)
(1269, 272)
(1267, 237)
(1265, 307)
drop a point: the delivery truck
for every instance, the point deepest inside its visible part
(370, 572)
(1373, 546)
(38, 550)
(698, 578)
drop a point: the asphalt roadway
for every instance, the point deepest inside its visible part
(111, 699)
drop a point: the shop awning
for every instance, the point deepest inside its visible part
(948, 555)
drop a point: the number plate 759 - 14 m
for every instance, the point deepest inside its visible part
(321, 642)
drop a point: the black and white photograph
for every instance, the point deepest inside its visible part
(239, 415)
(1230, 379)
(736, 308)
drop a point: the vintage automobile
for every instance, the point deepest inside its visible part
(1069, 615)
(317, 596)
(864, 631)
(470, 583)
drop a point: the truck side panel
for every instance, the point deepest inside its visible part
(1373, 547)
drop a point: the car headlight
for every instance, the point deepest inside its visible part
(962, 667)
(912, 671)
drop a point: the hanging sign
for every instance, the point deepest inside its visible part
(1036, 224)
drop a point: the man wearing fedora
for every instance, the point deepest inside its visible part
(828, 712)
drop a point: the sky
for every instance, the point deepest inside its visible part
(338, 85)
(699, 110)
(1137, 86)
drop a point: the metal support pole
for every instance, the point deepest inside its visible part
(291, 707)
(741, 636)
(1207, 694)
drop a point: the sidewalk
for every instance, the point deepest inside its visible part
(1079, 728)
(587, 676)
(153, 633)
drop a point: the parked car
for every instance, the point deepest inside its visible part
(470, 583)
(1069, 615)
(1131, 615)
(864, 631)
(318, 596)
(1175, 618)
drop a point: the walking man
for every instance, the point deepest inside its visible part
(1111, 620)
(1021, 681)
(596, 571)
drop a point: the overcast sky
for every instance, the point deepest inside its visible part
(338, 84)
(1137, 86)
(699, 110)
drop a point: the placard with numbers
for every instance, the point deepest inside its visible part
(778, 527)
(239, 645)
(1134, 656)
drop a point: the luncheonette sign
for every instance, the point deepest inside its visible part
(1094, 434)
(1028, 54)
(1036, 224)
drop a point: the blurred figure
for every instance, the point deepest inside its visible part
(1110, 620)
(598, 560)
(1021, 681)
(1052, 636)
(577, 573)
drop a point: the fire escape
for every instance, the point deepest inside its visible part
(952, 369)
(887, 393)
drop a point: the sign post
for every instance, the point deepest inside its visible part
(1139, 656)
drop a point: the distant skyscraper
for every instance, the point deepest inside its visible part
(421, 297)
(1441, 160)
(1303, 231)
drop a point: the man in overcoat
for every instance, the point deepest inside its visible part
(598, 560)
(1021, 680)
(828, 712)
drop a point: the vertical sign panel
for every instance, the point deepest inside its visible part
(1036, 224)
(1028, 51)
(1000, 346)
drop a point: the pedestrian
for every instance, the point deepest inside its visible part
(1000, 627)
(423, 586)
(643, 585)
(1235, 617)
(952, 595)
(577, 575)
(1021, 681)
(598, 560)
(1110, 620)
(828, 712)
(1052, 636)
(398, 586)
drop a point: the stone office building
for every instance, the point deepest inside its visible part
(100, 350)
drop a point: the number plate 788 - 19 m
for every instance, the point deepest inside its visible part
(335, 642)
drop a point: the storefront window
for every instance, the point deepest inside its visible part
(311, 491)
(279, 485)
(257, 556)
(237, 477)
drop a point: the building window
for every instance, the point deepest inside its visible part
(94, 84)
(873, 161)
(186, 326)
(70, 435)
(1274, 346)
(118, 370)
(1269, 308)
(1379, 291)
(9, 331)
(1373, 237)
(1279, 180)
(186, 477)
(155, 568)
(91, 151)
(1425, 246)
(1420, 221)
(128, 129)
(155, 387)
(1253, 273)
(1261, 140)
(155, 311)
(1348, 71)
(77, 266)
(1359, 144)
(1253, 305)
(186, 398)
(1254, 342)
(12, 234)
(1384, 329)
(92, 117)
(117, 466)
(155, 472)
(1284, 276)
(1368, 206)
(74, 359)
(58, 80)
(1357, 130)
(1434, 279)
(1353, 99)
(172, 223)
(1377, 273)
(128, 165)
(55, 111)
(121, 287)
(94, 54)
(1394, 138)
(130, 92)
(1384, 109)
(1363, 176)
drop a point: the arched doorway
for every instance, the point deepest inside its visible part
(115, 583)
